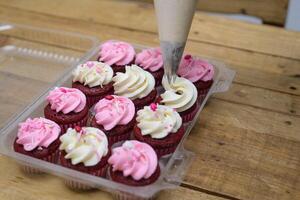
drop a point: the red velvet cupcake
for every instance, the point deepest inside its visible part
(67, 107)
(181, 95)
(137, 85)
(151, 60)
(86, 150)
(134, 163)
(200, 72)
(117, 54)
(94, 79)
(38, 138)
(159, 126)
(114, 115)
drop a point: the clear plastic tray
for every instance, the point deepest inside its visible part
(68, 50)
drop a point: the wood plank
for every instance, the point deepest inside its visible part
(261, 98)
(284, 74)
(240, 93)
(282, 71)
(260, 159)
(27, 90)
(27, 77)
(14, 184)
(227, 115)
(239, 153)
(42, 68)
(269, 11)
(215, 30)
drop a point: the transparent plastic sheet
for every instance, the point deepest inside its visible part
(173, 167)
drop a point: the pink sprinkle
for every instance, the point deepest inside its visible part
(99, 70)
(90, 64)
(77, 128)
(174, 109)
(109, 97)
(153, 106)
(187, 57)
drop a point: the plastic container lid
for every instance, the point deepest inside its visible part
(34, 60)
(25, 52)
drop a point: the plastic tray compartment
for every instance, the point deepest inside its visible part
(173, 167)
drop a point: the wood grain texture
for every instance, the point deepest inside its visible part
(16, 185)
(241, 162)
(269, 11)
(240, 93)
(274, 73)
(246, 141)
(140, 16)
(284, 74)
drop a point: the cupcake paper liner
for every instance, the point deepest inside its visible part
(145, 101)
(81, 186)
(190, 116)
(117, 134)
(92, 100)
(83, 122)
(202, 94)
(164, 146)
(165, 151)
(127, 196)
(117, 138)
(53, 158)
(31, 170)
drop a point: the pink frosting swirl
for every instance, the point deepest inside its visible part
(114, 110)
(150, 59)
(115, 52)
(135, 159)
(37, 132)
(66, 100)
(195, 69)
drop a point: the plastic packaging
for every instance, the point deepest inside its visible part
(173, 167)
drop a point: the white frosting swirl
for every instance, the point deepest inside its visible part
(87, 146)
(93, 73)
(158, 122)
(134, 83)
(181, 95)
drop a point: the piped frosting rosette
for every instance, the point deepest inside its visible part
(158, 121)
(135, 83)
(113, 110)
(93, 73)
(116, 53)
(135, 159)
(150, 59)
(66, 100)
(180, 95)
(37, 133)
(195, 69)
(87, 145)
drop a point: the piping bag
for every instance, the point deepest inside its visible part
(174, 19)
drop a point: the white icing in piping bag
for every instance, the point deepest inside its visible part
(174, 18)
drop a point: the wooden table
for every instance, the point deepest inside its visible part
(247, 142)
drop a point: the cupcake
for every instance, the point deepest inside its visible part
(182, 96)
(200, 72)
(94, 79)
(151, 60)
(134, 163)
(160, 127)
(67, 107)
(117, 54)
(137, 85)
(38, 138)
(114, 115)
(84, 149)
